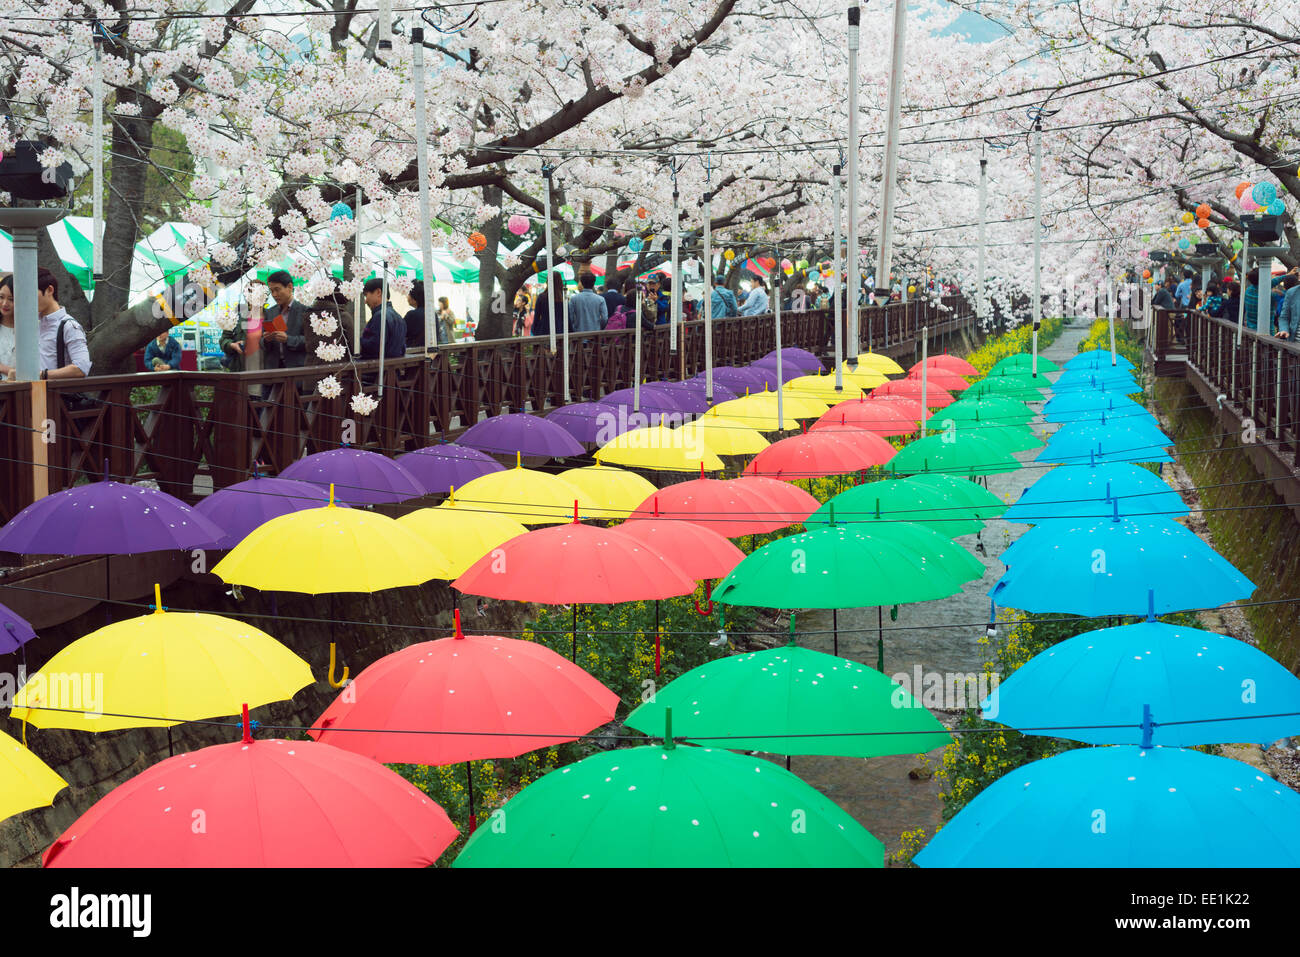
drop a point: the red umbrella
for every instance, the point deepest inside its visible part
(942, 378)
(907, 404)
(268, 803)
(728, 509)
(485, 696)
(793, 503)
(868, 443)
(935, 397)
(816, 454)
(950, 363)
(877, 416)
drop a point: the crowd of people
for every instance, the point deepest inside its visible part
(1225, 299)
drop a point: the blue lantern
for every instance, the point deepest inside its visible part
(635, 244)
(1184, 244)
(1276, 208)
(1263, 194)
(341, 211)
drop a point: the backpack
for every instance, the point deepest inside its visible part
(619, 319)
(74, 401)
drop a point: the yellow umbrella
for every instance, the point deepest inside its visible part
(759, 411)
(724, 436)
(25, 780)
(320, 551)
(463, 535)
(524, 495)
(823, 386)
(169, 665)
(616, 492)
(873, 362)
(661, 448)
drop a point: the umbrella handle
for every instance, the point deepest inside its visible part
(707, 609)
(343, 680)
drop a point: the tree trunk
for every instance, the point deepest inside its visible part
(494, 313)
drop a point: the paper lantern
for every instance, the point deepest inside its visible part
(1203, 211)
(477, 242)
(518, 224)
(1263, 194)
(641, 213)
(1248, 204)
(635, 244)
(341, 211)
(911, 289)
(787, 267)
(1203, 223)
(1236, 244)
(1277, 207)
(1184, 244)
(1241, 188)
(1187, 217)
(729, 254)
(767, 262)
(1146, 273)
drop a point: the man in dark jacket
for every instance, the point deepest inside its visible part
(394, 329)
(284, 337)
(613, 296)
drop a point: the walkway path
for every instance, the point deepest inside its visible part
(938, 636)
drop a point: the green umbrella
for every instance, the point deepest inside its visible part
(983, 503)
(807, 701)
(960, 453)
(1009, 438)
(1023, 387)
(1023, 362)
(999, 409)
(849, 566)
(671, 806)
(894, 501)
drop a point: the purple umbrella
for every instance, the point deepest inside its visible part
(14, 631)
(770, 381)
(721, 393)
(242, 507)
(521, 434)
(655, 404)
(800, 357)
(107, 518)
(440, 468)
(739, 380)
(591, 422)
(359, 477)
(797, 365)
(692, 400)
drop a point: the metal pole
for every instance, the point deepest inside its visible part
(27, 320)
(1241, 292)
(550, 266)
(886, 251)
(852, 283)
(837, 178)
(708, 299)
(925, 374)
(565, 311)
(1264, 311)
(636, 356)
(780, 378)
(422, 170)
(356, 303)
(383, 329)
(984, 217)
(97, 185)
(1038, 235)
(675, 297)
(1110, 311)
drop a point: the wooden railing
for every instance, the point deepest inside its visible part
(189, 430)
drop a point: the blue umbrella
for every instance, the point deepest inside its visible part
(1087, 491)
(1108, 567)
(1104, 677)
(1125, 806)
(1098, 357)
(1075, 406)
(1085, 380)
(1134, 430)
(1083, 443)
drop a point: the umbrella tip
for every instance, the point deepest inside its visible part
(157, 599)
(248, 731)
(519, 460)
(669, 743)
(575, 511)
(460, 635)
(331, 501)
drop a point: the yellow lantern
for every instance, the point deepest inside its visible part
(911, 289)
(729, 254)
(1188, 217)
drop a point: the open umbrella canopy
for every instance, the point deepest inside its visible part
(592, 423)
(960, 454)
(440, 468)
(723, 436)
(1023, 387)
(688, 399)
(661, 449)
(721, 392)
(322, 550)
(729, 508)
(842, 566)
(173, 667)
(242, 507)
(1098, 358)
(26, 781)
(793, 503)
(823, 386)
(523, 495)
(521, 434)
(698, 551)
(1079, 406)
(614, 493)
(671, 806)
(980, 502)
(1083, 443)
(997, 409)
(874, 415)
(1072, 492)
(872, 362)
(1163, 807)
(793, 700)
(654, 399)
(267, 803)
(107, 518)
(817, 454)
(740, 379)
(574, 563)
(1116, 381)
(953, 364)
(1111, 567)
(484, 696)
(1093, 687)
(1021, 363)
(898, 500)
(801, 357)
(940, 378)
(935, 397)
(1009, 438)
(359, 477)
(770, 381)
(463, 536)
(15, 631)
(761, 411)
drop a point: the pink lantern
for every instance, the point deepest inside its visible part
(1248, 204)
(518, 224)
